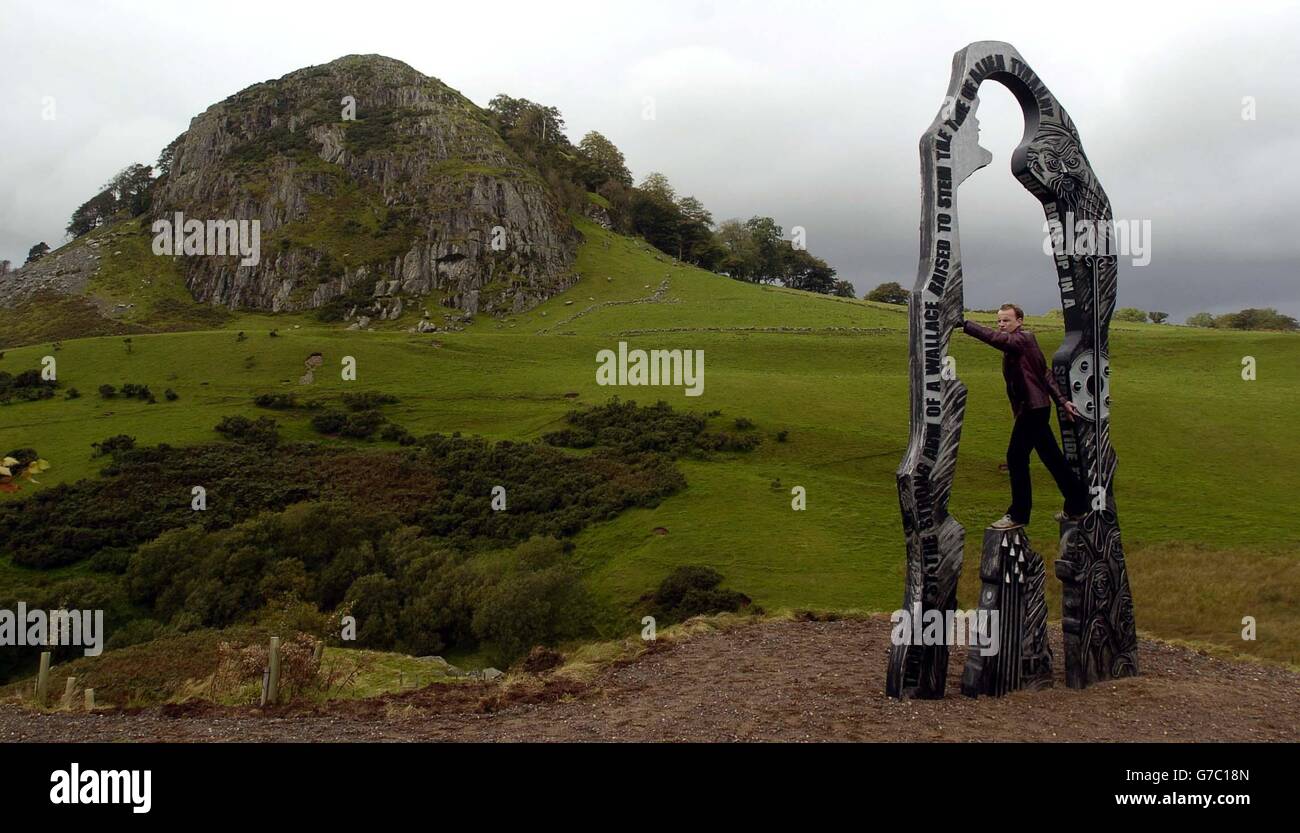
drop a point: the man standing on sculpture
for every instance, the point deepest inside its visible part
(1031, 389)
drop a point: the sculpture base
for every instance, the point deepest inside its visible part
(1096, 605)
(1013, 578)
(920, 672)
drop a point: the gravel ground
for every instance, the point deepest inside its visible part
(775, 680)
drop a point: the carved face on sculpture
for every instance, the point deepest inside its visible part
(1056, 160)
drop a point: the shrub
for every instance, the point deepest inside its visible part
(329, 422)
(627, 428)
(131, 390)
(367, 400)
(24, 456)
(263, 430)
(539, 601)
(1256, 319)
(723, 441)
(376, 604)
(107, 391)
(114, 444)
(171, 395)
(241, 666)
(1130, 314)
(393, 432)
(134, 632)
(110, 560)
(694, 591)
(359, 425)
(276, 401)
(541, 658)
(27, 386)
(72, 393)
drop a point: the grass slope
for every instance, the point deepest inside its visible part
(1206, 461)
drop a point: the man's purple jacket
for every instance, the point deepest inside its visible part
(1029, 382)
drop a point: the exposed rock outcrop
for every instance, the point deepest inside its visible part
(418, 195)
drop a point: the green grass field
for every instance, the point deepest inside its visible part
(1207, 463)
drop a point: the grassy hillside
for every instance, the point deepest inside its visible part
(1205, 482)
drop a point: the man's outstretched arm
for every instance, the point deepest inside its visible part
(1064, 404)
(1006, 342)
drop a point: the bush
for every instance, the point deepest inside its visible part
(376, 604)
(27, 386)
(694, 591)
(1256, 319)
(110, 560)
(24, 456)
(367, 400)
(539, 601)
(395, 433)
(241, 666)
(541, 658)
(627, 428)
(114, 444)
(72, 393)
(134, 632)
(1200, 319)
(330, 422)
(107, 391)
(723, 441)
(171, 395)
(262, 431)
(276, 401)
(359, 425)
(1130, 314)
(133, 391)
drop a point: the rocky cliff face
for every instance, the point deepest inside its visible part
(416, 195)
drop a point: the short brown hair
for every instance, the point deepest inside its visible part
(1019, 312)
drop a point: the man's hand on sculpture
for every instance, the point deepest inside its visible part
(1071, 411)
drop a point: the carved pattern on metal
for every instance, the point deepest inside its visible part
(1013, 578)
(1051, 165)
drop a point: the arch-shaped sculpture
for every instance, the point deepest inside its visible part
(1097, 619)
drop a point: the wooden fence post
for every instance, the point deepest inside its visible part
(68, 689)
(273, 687)
(90, 699)
(43, 679)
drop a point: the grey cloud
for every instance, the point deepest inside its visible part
(809, 113)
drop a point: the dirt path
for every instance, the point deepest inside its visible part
(774, 680)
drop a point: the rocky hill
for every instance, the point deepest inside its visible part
(372, 183)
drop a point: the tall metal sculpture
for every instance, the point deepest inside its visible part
(1097, 616)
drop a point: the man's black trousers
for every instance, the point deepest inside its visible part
(1033, 432)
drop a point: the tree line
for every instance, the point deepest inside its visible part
(1246, 319)
(129, 191)
(754, 250)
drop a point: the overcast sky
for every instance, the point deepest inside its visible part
(806, 112)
